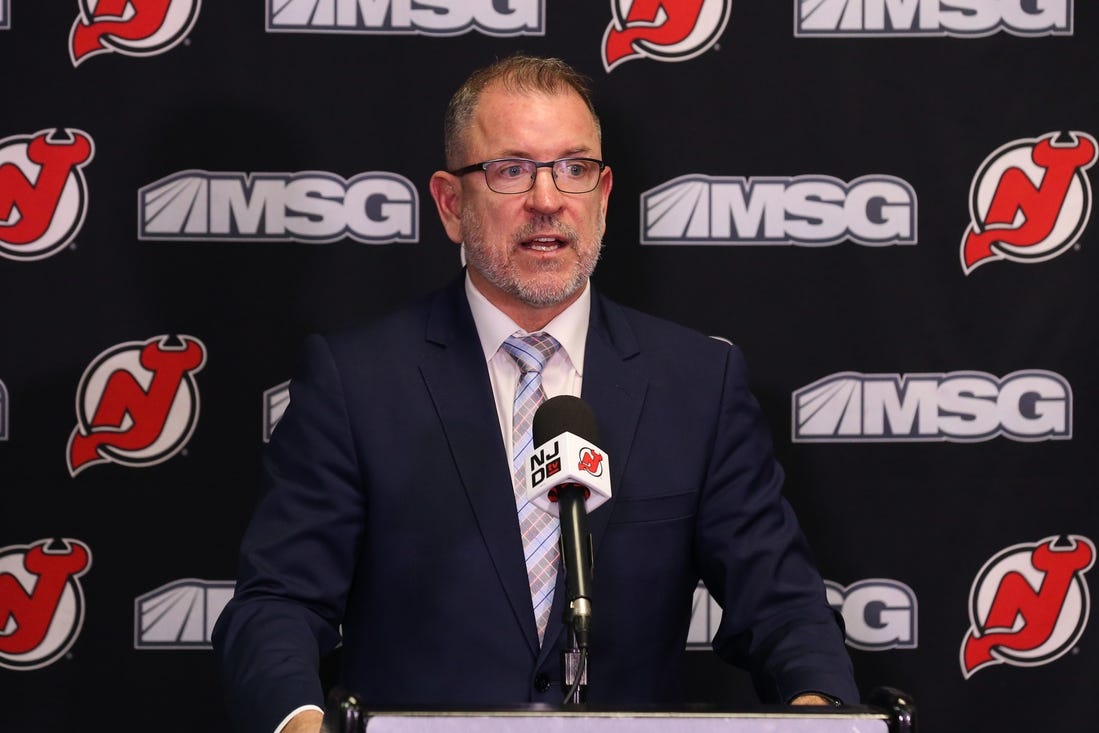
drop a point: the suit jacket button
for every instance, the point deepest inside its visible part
(541, 682)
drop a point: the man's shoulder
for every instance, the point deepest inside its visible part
(386, 337)
(406, 319)
(657, 332)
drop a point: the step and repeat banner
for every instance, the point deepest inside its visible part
(887, 204)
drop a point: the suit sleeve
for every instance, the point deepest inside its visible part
(755, 561)
(297, 555)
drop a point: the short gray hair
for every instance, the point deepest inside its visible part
(517, 73)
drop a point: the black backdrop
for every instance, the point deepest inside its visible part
(985, 378)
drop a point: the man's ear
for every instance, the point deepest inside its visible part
(606, 182)
(446, 189)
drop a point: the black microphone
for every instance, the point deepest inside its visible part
(568, 474)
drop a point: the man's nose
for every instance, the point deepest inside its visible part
(544, 195)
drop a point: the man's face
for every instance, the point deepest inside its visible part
(533, 249)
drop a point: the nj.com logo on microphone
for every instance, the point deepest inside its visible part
(564, 459)
(545, 462)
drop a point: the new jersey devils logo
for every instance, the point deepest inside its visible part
(41, 601)
(591, 461)
(137, 403)
(43, 194)
(1030, 200)
(130, 27)
(1029, 604)
(662, 30)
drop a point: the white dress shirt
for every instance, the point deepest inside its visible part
(563, 373)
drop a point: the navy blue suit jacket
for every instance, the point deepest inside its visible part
(389, 511)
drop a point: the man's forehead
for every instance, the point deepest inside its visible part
(500, 92)
(530, 123)
(567, 107)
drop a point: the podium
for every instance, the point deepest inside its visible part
(889, 711)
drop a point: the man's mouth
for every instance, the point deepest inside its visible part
(543, 244)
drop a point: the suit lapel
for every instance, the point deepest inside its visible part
(457, 379)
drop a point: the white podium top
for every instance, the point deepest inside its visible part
(625, 722)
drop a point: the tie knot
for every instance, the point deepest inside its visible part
(532, 351)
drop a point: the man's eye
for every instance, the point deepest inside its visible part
(512, 171)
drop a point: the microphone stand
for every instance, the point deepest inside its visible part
(575, 661)
(576, 554)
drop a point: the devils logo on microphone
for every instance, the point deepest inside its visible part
(591, 461)
(130, 27)
(1029, 604)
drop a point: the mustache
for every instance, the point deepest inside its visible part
(541, 225)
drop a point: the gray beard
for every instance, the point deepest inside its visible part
(502, 276)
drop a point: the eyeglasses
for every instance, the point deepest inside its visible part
(516, 175)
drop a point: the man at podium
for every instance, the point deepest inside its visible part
(395, 519)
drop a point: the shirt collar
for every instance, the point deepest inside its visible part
(570, 327)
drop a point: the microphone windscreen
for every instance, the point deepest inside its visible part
(564, 414)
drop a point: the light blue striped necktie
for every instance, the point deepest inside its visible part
(540, 529)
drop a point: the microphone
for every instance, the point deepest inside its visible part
(568, 475)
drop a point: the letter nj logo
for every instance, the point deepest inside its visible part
(43, 193)
(1030, 201)
(41, 601)
(591, 461)
(1029, 604)
(137, 403)
(662, 30)
(130, 27)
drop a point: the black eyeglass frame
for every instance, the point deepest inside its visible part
(551, 164)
